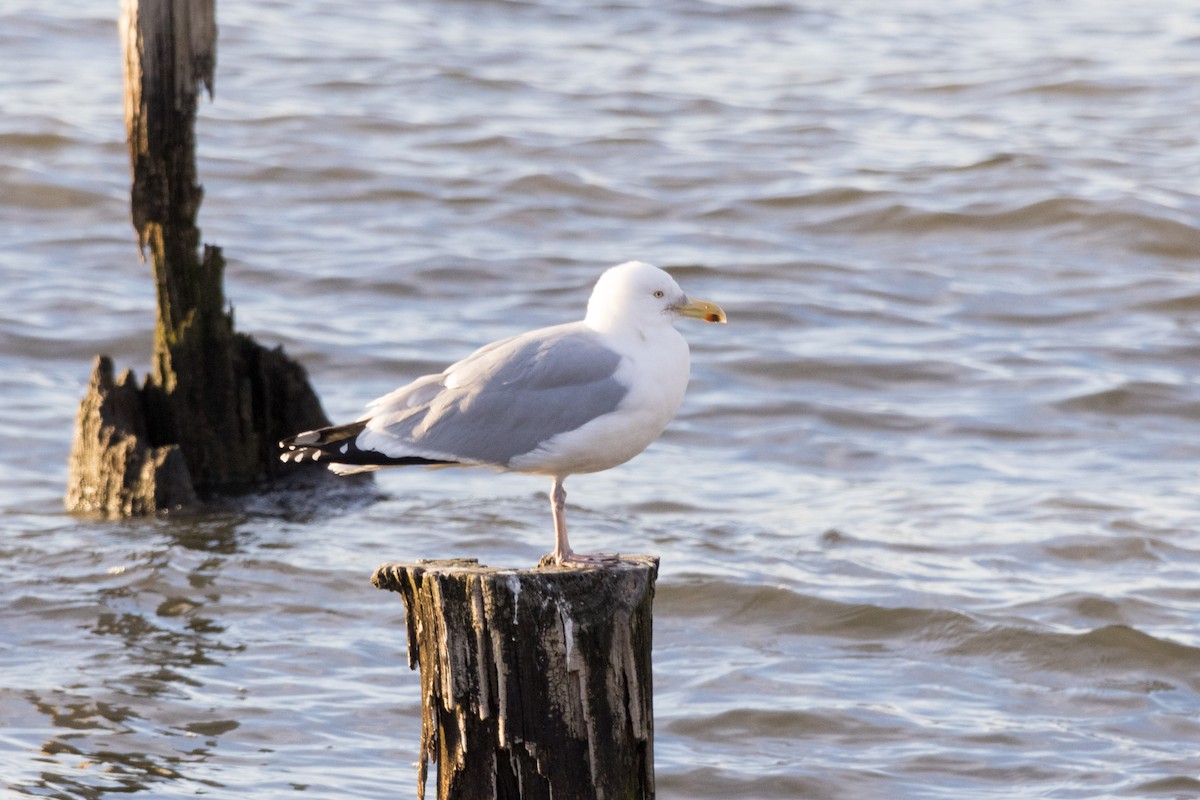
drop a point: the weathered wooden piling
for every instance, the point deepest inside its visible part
(208, 417)
(536, 684)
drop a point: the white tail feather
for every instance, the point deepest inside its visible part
(352, 469)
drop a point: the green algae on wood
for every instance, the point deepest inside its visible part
(216, 402)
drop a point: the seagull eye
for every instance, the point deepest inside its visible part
(659, 293)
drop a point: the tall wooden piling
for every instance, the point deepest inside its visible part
(208, 418)
(536, 684)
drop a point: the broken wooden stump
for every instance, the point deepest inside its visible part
(536, 684)
(209, 416)
(121, 474)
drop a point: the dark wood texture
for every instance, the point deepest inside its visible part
(215, 399)
(536, 684)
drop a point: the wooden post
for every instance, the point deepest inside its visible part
(208, 419)
(536, 684)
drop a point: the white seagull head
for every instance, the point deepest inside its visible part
(638, 295)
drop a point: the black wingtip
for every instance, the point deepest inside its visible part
(337, 445)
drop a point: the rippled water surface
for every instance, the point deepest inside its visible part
(928, 518)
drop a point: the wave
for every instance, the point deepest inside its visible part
(1142, 226)
(1137, 398)
(50, 197)
(1114, 655)
(788, 612)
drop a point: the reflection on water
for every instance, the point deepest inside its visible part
(927, 516)
(142, 646)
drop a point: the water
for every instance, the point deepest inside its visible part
(928, 517)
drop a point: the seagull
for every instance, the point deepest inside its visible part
(573, 398)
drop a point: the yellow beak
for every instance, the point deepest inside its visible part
(701, 309)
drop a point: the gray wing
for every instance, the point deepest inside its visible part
(504, 400)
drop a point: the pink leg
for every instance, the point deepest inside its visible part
(558, 500)
(563, 555)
